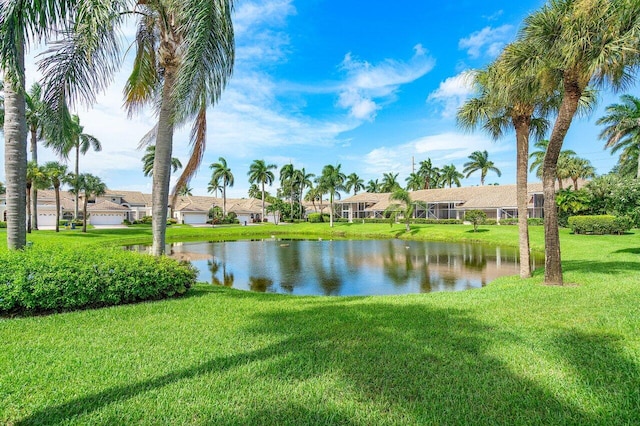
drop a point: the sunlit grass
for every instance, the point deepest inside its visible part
(513, 352)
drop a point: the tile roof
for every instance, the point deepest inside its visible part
(106, 206)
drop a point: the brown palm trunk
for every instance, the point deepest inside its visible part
(15, 155)
(224, 201)
(84, 211)
(57, 191)
(28, 196)
(262, 217)
(164, 146)
(568, 108)
(75, 206)
(522, 126)
(331, 209)
(34, 189)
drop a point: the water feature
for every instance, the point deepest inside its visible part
(347, 267)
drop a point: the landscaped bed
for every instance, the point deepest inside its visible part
(513, 352)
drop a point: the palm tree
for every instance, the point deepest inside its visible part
(429, 173)
(88, 185)
(622, 126)
(314, 194)
(254, 191)
(480, 162)
(331, 181)
(185, 191)
(260, 172)
(579, 168)
(354, 182)
(150, 156)
(415, 181)
(451, 175)
(2, 188)
(538, 161)
(36, 111)
(287, 173)
(373, 186)
(389, 182)
(577, 43)
(214, 186)
(405, 207)
(35, 180)
(222, 172)
(56, 174)
(303, 181)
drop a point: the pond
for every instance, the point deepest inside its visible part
(347, 267)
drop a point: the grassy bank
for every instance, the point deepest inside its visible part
(514, 352)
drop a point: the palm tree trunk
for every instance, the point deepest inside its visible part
(262, 217)
(224, 201)
(75, 211)
(568, 108)
(34, 190)
(57, 190)
(28, 195)
(331, 209)
(15, 154)
(575, 184)
(162, 163)
(522, 193)
(84, 211)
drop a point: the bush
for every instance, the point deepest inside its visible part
(318, 217)
(532, 221)
(146, 220)
(599, 225)
(126, 222)
(172, 221)
(476, 217)
(60, 279)
(3, 224)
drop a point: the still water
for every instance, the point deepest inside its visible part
(347, 267)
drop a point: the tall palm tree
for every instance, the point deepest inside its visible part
(314, 194)
(622, 126)
(222, 173)
(89, 186)
(578, 42)
(260, 172)
(287, 174)
(303, 180)
(429, 173)
(537, 162)
(354, 182)
(56, 174)
(331, 181)
(579, 168)
(214, 186)
(405, 208)
(150, 156)
(254, 191)
(36, 179)
(373, 186)
(36, 116)
(451, 175)
(415, 181)
(389, 182)
(480, 162)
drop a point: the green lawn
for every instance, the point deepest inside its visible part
(514, 352)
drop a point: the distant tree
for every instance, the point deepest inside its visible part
(3, 190)
(389, 182)
(476, 217)
(538, 161)
(451, 175)
(185, 191)
(222, 173)
(353, 182)
(260, 172)
(480, 162)
(429, 173)
(88, 185)
(373, 186)
(331, 181)
(35, 179)
(579, 168)
(150, 156)
(622, 128)
(314, 194)
(414, 182)
(405, 208)
(56, 174)
(287, 176)
(254, 191)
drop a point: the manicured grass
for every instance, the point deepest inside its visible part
(514, 352)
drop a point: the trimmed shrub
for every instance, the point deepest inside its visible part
(489, 222)
(3, 224)
(172, 221)
(476, 217)
(57, 279)
(318, 217)
(600, 225)
(416, 221)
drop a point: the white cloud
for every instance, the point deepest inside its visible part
(452, 93)
(491, 39)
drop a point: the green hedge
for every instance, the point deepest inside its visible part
(532, 221)
(417, 221)
(57, 279)
(3, 224)
(599, 225)
(318, 217)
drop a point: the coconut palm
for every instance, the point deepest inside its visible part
(353, 182)
(314, 194)
(254, 191)
(303, 180)
(260, 172)
(622, 127)
(579, 168)
(373, 186)
(538, 161)
(451, 175)
(577, 43)
(214, 186)
(287, 173)
(415, 181)
(36, 179)
(331, 181)
(389, 182)
(185, 191)
(88, 186)
(150, 156)
(222, 173)
(56, 174)
(429, 173)
(405, 208)
(480, 162)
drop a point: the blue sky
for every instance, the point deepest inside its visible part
(360, 84)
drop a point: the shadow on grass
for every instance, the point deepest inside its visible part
(598, 267)
(631, 250)
(471, 231)
(408, 363)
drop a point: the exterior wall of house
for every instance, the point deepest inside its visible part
(107, 218)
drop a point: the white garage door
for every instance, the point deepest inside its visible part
(195, 218)
(46, 219)
(106, 218)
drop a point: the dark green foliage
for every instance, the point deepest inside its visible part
(476, 217)
(489, 222)
(60, 279)
(145, 219)
(172, 221)
(418, 220)
(318, 217)
(532, 221)
(599, 225)
(3, 224)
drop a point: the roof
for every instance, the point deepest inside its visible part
(245, 205)
(129, 197)
(106, 206)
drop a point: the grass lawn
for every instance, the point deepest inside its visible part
(514, 352)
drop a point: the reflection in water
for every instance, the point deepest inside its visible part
(348, 267)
